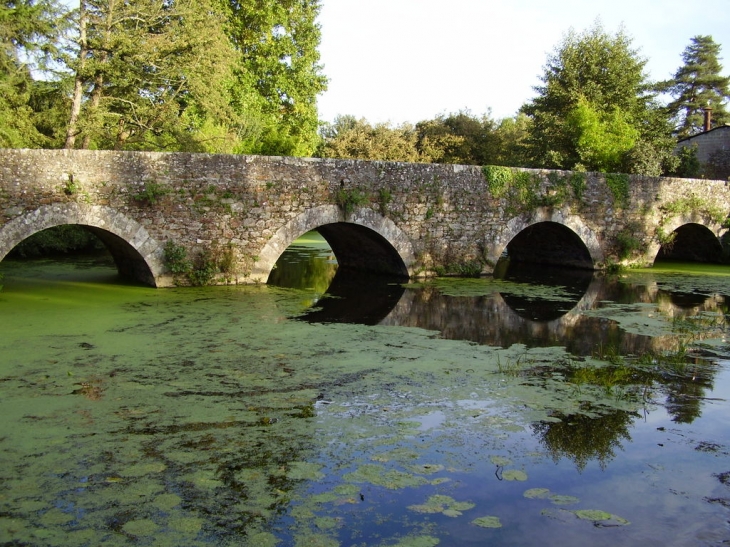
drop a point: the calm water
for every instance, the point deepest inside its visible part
(564, 409)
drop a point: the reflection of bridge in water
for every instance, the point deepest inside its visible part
(506, 319)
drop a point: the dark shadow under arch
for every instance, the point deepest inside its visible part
(128, 261)
(358, 248)
(692, 243)
(550, 243)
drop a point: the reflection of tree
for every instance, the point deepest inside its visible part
(686, 391)
(581, 438)
(302, 268)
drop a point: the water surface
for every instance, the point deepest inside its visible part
(564, 410)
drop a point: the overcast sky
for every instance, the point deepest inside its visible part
(410, 60)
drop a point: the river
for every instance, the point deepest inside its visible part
(533, 408)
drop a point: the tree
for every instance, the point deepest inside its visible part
(697, 85)
(460, 138)
(198, 75)
(147, 77)
(279, 76)
(511, 142)
(594, 109)
(29, 34)
(350, 138)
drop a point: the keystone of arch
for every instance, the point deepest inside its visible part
(330, 214)
(544, 214)
(95, 216)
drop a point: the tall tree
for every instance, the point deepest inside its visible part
(146, 76)
(278, 41)
(697, 85)
(29, 33)
(594, 109)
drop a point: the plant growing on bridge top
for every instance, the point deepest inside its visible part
(151, 193)
(70, 187)
(498, 179)
(618, 183)
(384, 199)
(694, 204)
(574, 181)
(349, 198)
(521, 189)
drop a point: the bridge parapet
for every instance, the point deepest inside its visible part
(413, 218)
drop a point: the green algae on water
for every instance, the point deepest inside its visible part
(487, 522)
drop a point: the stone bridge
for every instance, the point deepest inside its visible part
(235, 215)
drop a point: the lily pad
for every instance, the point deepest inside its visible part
(601, 518)
(487, 522)
(563, 500)
(514, 475)
(537, 493)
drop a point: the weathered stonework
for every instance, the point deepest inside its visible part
(410, 219)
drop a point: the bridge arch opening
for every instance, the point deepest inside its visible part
(549, 243)
(365, 243)
(691, 242)
(130, 247)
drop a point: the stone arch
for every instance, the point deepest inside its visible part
(365, 241)
(594, 255)
(693, 241)
(135, 253)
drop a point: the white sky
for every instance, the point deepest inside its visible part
(409, 60)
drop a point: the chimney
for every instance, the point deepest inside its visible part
(708, 118)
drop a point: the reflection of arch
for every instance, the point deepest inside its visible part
(366, 242)
(347, 302)
(692, 242)
(575, 282)
(133, 250)
(583, 249)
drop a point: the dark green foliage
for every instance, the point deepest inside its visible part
(384, 199)
(142, 75)
(30, 33)
(594, 111)
(618, 183)
(696, 85)
(176, 258)
(64, 239)
(627, 243)
(688, 164)
(471, 268)
(349, 198)
(202, 269)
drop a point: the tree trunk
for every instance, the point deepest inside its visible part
(72, 128)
